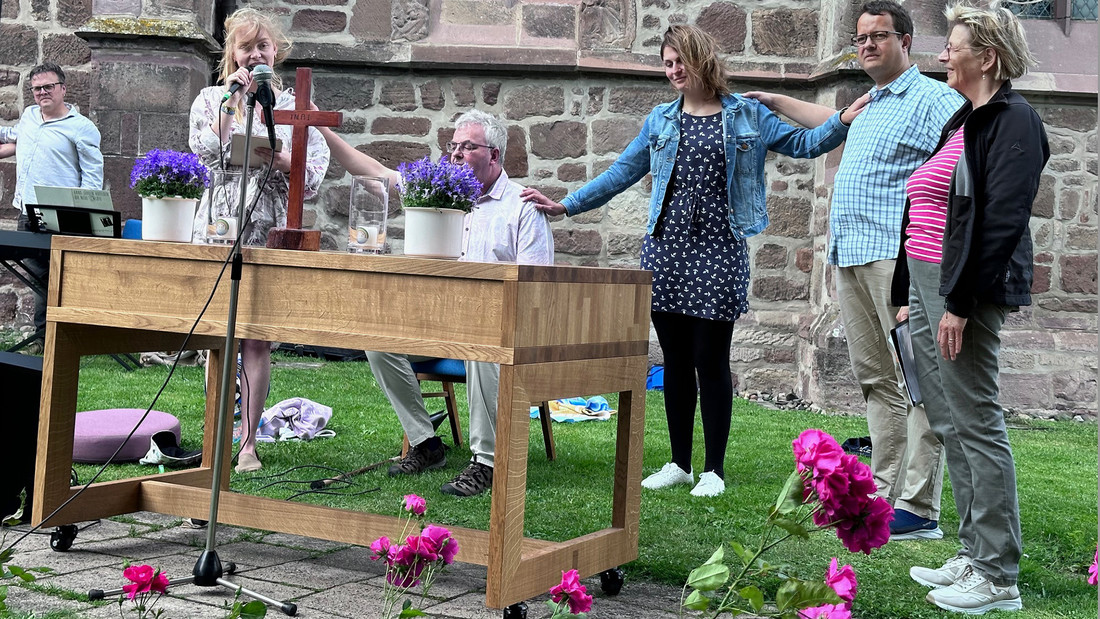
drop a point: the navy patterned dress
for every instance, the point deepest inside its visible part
(699, 268)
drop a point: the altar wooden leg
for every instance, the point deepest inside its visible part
(627, 497)
(509, 490)
(57, 419)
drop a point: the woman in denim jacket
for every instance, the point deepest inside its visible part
(706, 154)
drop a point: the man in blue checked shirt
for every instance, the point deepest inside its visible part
(896, 133)
(54, 145)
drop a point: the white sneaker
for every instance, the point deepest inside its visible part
(974, 594)
(710, 484)
(669, 475)
(944, 576)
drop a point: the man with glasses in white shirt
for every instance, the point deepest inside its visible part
(897, 132)
(500, 228)
(54, 145)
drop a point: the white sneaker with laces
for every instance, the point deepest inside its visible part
(669, 475)
(710, 484)
(974, 594)
(944, 576)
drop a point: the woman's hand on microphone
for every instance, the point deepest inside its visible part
(242, 76)
(542, 203)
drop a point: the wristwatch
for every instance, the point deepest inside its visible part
(228, 110)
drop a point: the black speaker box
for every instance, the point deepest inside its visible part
(22, 377)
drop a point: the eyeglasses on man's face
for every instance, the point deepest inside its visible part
(44, 88)
(466, 146)
(878, 37)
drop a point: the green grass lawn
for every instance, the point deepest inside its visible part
(1056, 464)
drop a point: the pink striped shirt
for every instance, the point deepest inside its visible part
(927, 190)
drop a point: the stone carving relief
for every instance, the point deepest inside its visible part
(607, 24)
(410, 19)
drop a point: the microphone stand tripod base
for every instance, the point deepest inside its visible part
(208, 573)
(293, 238)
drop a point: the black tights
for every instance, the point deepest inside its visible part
(697, 346)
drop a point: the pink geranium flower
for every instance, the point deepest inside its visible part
(423, 547)
(405, 578)
(828, 611)
(1093, 569)
(415, 504)
(144, 579)
(380, 547)
(446, 546)
(817, 452)
(842, 581)
(867, 529)
(572, 589)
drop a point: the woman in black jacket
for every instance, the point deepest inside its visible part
(965, 262)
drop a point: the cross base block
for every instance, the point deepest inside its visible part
(293, 238)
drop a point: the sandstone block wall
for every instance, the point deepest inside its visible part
(573, 81)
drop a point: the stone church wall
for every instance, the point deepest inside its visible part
(573, 80)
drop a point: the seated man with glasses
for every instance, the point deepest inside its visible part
(897, 132)
(501, 228)
(54, 145)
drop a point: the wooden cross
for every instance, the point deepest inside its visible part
(302, 118)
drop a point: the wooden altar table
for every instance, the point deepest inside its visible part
(555, 331)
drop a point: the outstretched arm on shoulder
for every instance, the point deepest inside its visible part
(356, 162)
(802, 112)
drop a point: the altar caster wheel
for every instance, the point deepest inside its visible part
(611, 581)
(516, 611)
(62, 537)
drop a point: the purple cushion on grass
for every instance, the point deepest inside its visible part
(99, 433)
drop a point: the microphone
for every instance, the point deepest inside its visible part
(235, 86)
(262, 75)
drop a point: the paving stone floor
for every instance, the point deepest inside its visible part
(324, 579)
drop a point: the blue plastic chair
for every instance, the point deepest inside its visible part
(447, 372)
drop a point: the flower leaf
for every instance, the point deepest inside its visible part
(412, 612)
(793, 527)
(708, 577)
(795, 593)
(753, 596)
(254, 610)
(743, 553)
(21, 573)
(717, 556)
(790, 498)
(697, 601)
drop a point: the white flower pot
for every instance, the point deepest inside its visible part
(433, 232)
(167, 219)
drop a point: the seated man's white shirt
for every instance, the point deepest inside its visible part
(503, 228)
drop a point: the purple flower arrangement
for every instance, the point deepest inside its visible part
(442, 184)
(168, 173)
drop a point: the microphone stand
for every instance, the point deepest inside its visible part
(208, 569)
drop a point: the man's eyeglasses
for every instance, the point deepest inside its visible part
(466, 146)
(44, 88)
(879, 37)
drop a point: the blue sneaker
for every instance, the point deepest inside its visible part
(907, 525)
